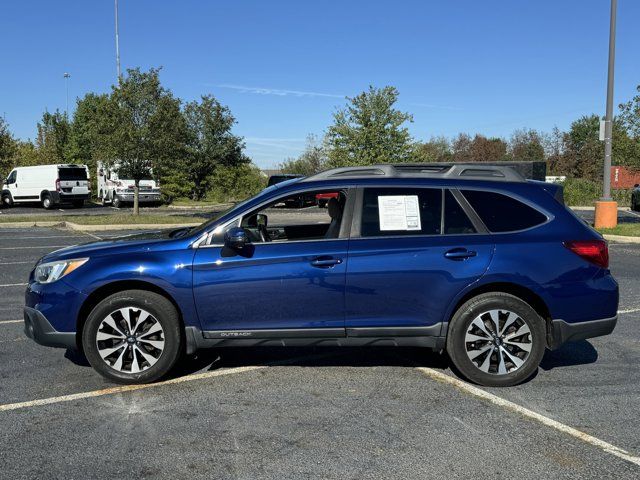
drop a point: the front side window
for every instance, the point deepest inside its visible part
(501, 213)
(456, 221)
(296, 217)
(401, 211)
(12, 177)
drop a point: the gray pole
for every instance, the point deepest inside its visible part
(608, 126)
(117, 45)
(67, 76)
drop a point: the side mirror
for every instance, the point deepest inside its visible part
(236, 238)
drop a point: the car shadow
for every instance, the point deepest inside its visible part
(232, 357)
(569, 354)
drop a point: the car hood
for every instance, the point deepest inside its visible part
(120, 244)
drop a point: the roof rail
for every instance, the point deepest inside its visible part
(462, 171)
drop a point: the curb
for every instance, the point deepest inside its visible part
(621, 239)
(132, 226)
(98, 228)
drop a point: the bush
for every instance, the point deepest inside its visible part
(232, 184)
(582, 192)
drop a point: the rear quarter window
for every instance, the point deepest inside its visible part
(501, 213)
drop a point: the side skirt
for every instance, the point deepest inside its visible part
(332, 337)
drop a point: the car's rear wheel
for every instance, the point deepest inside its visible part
(133, 336)
(47, 202)
(496, 339)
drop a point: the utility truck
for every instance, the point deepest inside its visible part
(119, 191)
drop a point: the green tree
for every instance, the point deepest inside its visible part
(210, 143)
(437, 149)
(630, 121)
(526, 145)
(149, 132)
(234, 183)
(53, 138)
(370, 130)
(313, 160)
(8, 149)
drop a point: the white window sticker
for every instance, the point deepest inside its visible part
(399, 212)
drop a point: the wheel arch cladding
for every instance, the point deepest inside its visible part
(523, 293)
(104, 291)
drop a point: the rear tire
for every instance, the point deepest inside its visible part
(47, 202)
(140, 349)
(117, 203)
(496, 356)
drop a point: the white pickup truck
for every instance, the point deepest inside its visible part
(118, 191)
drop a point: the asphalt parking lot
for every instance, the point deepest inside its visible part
(313, 412)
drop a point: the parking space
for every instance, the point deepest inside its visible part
(313, 412)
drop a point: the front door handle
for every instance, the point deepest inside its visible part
(325, 262)
(460, 254)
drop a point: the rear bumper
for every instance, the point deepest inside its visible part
(59, 197)
(38, 328)
(561, 331)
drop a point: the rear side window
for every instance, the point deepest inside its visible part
(455, 220)
(72, 173)
(501, 213)
(401, 211)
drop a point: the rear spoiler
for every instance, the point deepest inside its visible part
(554, 189)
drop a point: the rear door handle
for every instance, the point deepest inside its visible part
(460, 254)
(325, 262)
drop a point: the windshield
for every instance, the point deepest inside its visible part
(203, 227)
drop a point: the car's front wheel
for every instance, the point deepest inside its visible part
(133, 336)
(496, 340)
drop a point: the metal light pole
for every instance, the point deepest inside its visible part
(606, 209)
(117, 44)
(67, 76)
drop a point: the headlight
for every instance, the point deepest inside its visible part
(51, 271)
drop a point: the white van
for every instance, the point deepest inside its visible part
(47, 184)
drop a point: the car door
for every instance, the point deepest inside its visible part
(407, 264)
(279, 288)
(11, 184)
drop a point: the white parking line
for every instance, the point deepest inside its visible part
(530, 414)
(16, 263)
(631, 310)
(38, 238)
(2, 322)
(14, 285)
(43, 246)
(125, 388)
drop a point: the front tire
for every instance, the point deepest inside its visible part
(496, 340)
(133, 337)
(117, 203)
(7, 200)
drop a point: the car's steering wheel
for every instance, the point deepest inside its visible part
(264, 233)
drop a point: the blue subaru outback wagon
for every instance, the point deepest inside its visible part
(470, 259)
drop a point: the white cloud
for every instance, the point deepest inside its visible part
(277, 91)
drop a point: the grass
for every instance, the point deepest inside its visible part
(117, 219)
(626, 229)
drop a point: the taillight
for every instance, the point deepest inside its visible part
(57, 185)
(594, 251)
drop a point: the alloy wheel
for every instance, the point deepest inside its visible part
(130, 340)
(498, 342)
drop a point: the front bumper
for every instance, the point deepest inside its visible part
(561, 331)
(142, 197)
(38, 328)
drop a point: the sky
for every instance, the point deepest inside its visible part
(284, 67)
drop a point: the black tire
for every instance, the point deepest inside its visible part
(470, 311)
(47, 201)
(161, 310)
(7, 200)
(117, 203)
